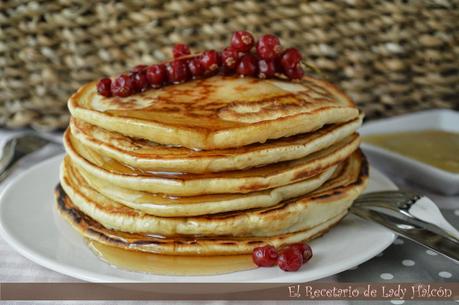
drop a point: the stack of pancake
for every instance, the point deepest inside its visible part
(211, 167)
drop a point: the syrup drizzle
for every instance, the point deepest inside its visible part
(169, 264)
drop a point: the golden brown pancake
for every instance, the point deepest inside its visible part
(217, 112)
(178, 245)
(150, 156)
(297, 214)
(176, 206)
(182, 184)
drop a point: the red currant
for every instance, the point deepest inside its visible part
(268, 61)
(248, 65)
(139, 68)
(180, 49)
(195, 67)
(230, 58)
(177, 71)
(290, 259)
(299, 246)
(268, 47)
(140, 81)
(290, 58)
(156, 75)
(266, 68)
(307, 254)
(242, 41)
(210, 61)
(104, 87)
(294, 73)
(264, 256)
(303, 248)
(122, 86)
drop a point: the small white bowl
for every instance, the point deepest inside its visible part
(397, 165)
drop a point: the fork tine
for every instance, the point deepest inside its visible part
(390, 195)
(391, 202)
(398, 192)
(383, 198)
(390, 198)
(386, 199)
(384, 205)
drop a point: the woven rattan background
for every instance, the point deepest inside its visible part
(390, 56)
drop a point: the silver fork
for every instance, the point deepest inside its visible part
(18, 147)
(412, 216)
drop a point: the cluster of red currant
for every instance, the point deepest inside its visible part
(268, 61)
(289, 258)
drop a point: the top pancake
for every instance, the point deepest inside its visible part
(217, 112)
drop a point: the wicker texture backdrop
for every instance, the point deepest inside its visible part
(390, 56)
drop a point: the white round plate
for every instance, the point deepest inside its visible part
(30, 224)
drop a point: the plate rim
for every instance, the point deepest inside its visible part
(96, 277)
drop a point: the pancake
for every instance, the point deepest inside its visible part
(217, 112)
(298, 214)
(151, 156)
(182, 184)
(173, 206)
(179, 245)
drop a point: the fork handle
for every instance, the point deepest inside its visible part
(449, 247)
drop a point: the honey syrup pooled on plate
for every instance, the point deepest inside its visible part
(434, 147)
(168, 264)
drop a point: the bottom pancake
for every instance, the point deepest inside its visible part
(179, 245)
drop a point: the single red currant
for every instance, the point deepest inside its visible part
(139, 68)
(264, 256)
(156, 75)
(140, 80)
(104, 87)
(303, 248)
(290, 58)
(294, 73)
(266, 68)
(195, 67)
(248, 65)
(268, 47)
(290, 259)
(123, 86)
(242, 41)
(307, 254)
(177, 71)
(299, 246)
(210, 61)
(230, 59)
(180, 49)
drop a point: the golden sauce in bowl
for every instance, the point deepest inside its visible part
(435, 147)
